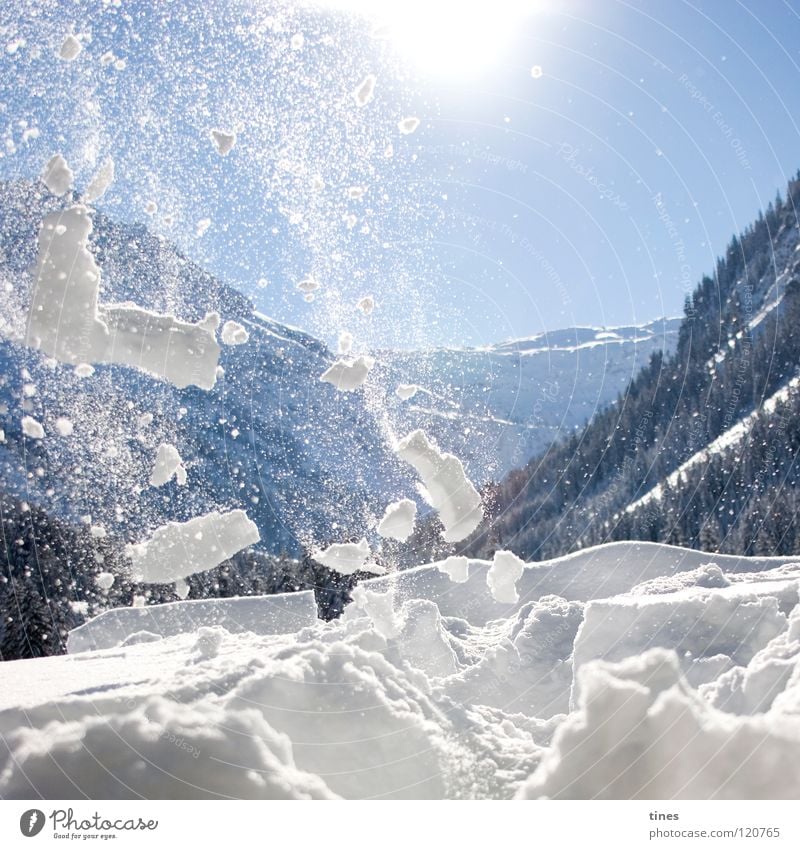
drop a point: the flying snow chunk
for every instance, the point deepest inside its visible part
(456, 568)
(297, 42)
(234, 334)
(181, 589)
(202, 225)
(355, 192)
(346, 557)
(406, 390)
(179, 549)
(57, 175)
(408, 125)
(64, 426)
(308, 285)
(31, 428)
(502, 577)
(398, 520)
(104, 580)
(102, 179)
(365, 91)
(536, 71)
(168, 464)
(448, 489)
(223, 142)
(151, 207)
(70, 48)
(345, 343)
(366, 305)
(67, 322)
(348, 375)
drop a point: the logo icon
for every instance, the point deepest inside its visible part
(31, 822)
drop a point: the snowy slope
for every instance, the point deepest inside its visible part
(678, 672)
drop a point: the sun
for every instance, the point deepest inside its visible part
(443, 37)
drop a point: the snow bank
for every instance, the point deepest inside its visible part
(641, 732)
(430, 688)
(67, 321)
(398, 520)
(177, 550)
(450, 492)
(727, 625)
(348, 375)
(168, 464)
(270, 614)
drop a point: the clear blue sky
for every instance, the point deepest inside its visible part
(597, 192)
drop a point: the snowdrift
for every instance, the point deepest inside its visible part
(630, 670)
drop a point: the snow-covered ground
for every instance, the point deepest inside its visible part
(627, 670)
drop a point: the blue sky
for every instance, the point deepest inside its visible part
(595, 192)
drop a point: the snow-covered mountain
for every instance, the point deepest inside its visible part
(495, 407)
(307, 462)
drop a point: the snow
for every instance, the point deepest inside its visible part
(398, 520)
(64, 426)
(405, 391)
(273, 614)
(348, 375)
(346, 557)
(408, 125)
(202, 225)
(168, 464)
(104, 580)
(366, 305)
(100, 182)
(345, 343)
(456, 568)
(234, 333)
(365, 90)
(503, 575)
(428, 688)
(223, 141)
(70, 48)
(31, 428)
(57, 175)
(68, 322)
(450, 491)
(179, 549)
(308, 285)
(641, 731)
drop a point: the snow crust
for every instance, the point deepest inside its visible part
(631, 670)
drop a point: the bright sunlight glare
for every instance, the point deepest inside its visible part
(443, 37)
